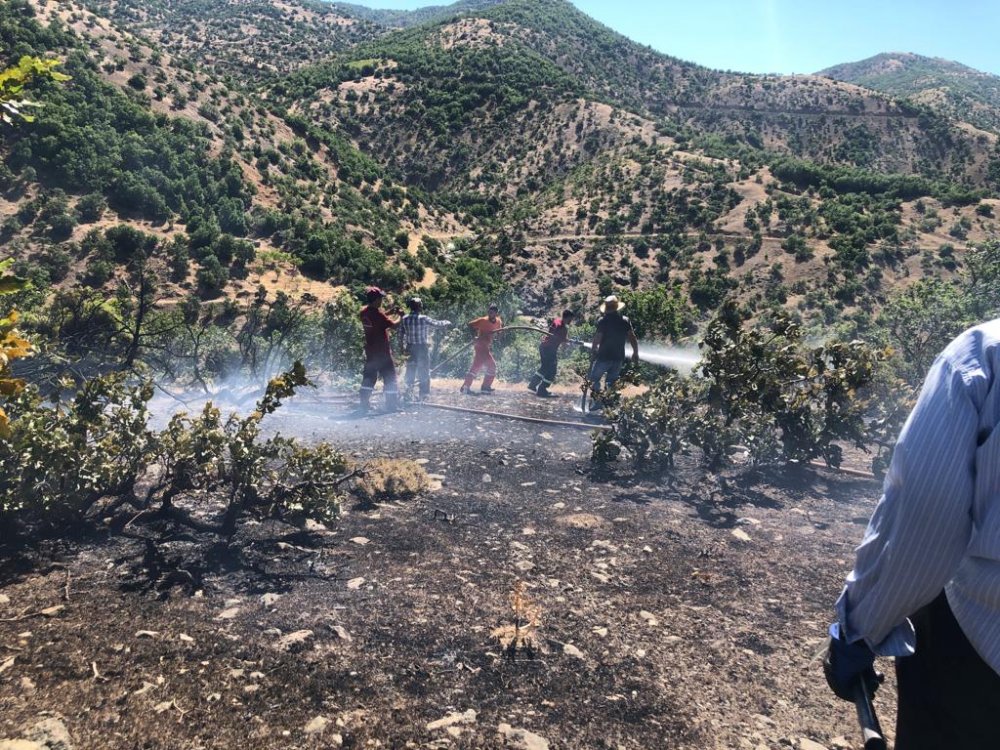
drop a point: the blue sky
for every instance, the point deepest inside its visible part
(796, 36)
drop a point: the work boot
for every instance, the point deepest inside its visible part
(466, 390)
(534, 383)
(544, 392)
(487, 390)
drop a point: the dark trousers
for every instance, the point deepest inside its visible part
(547, 367)
(379, 364)
(948, 696)
(419, 368)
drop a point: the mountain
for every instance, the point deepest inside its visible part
(443, 149)
(403, 18)
(949, 87)
(249, 40)
(228, 192)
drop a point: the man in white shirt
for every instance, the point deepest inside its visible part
(926, 581)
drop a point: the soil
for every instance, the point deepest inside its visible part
(670, 613)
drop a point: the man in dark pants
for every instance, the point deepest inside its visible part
(414, 329)
(378, 354)
(548, 353)
(926, 581)
(607, 350)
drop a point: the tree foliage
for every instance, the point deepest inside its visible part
(761, 390)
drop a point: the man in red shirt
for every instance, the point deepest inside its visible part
(378, 355)
(485, 329)
(548, 352)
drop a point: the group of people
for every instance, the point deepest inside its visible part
(926, 581)
(612, 333)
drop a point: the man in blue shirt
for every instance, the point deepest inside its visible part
(926, 581)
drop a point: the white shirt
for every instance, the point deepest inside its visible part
(938, 522)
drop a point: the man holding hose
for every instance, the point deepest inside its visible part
(926, 581)
(607, 350)
(548, 354)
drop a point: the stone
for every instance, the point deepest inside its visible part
(4, 599)
(228, 614)
(355, 583)
(186, 638)
(53, 611)
(269, 599)
(570, 650)
(465, 717)
(741, 535)
(293, 641)
(51, 734)
(522, 739)
(317, 725)
(341, 632)
(20, 745)
(807, 744)
(650, 618)
(360, 540)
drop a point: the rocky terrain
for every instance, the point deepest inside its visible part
(653, 613)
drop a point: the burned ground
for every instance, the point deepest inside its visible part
(670, 613)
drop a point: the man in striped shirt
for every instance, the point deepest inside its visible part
(926, 581)
(415, 328)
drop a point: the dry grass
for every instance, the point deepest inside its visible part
(388, 480)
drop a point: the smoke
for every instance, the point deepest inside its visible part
(684, 360)
(675, 357)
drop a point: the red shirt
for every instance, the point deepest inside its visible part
(487, 330)
(376, 326)
(558, 334)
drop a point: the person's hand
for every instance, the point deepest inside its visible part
(846, 663)
(635, 358)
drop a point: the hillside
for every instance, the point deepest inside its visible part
(949, 87)
(231, 193)
(353, 146)
(245, 40)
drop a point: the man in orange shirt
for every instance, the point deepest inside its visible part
(485, 329)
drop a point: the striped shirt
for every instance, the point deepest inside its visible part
(937, 524)
(415, 327)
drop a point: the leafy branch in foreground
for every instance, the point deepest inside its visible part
(14, 79)
(13, 346)
(95, 455)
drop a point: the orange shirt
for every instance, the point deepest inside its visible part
(486, 331)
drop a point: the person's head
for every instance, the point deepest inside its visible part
(567, 317)
(612, 305)
(374, 295)
(493, 312)
(415, 304)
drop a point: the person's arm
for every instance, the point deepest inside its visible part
(920, 530)
(437, 323)
(595, 343)
(634, 342)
